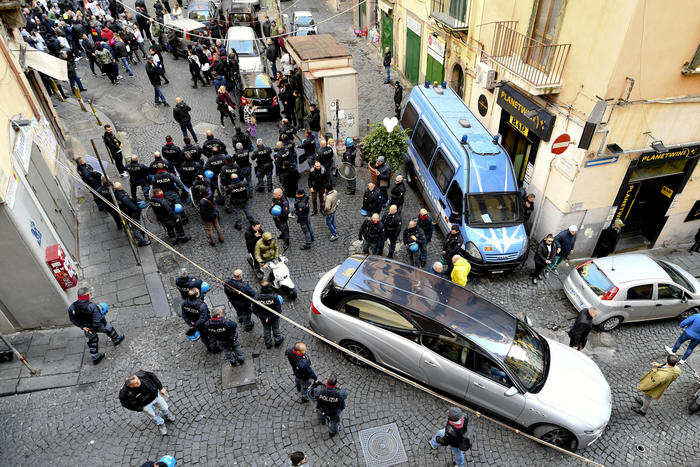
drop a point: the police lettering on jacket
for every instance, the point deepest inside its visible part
(185, 283)
(194, 312)
(222, 329)
(227, 170)
(242, 158)
(262, 154)
(238, 192)
(137, 172)
(188, 171)
(215, 163)
(164, 181)
(331, 399)
(325, 155)
(161, 208)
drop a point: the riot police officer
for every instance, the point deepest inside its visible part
(397, 193)
(304, 375)
(270, 321)
(240, 136)
(349, 157)
(242, 157)
(167, 216)
(215, 164)
(229, 168)
(453, 244)
(90, 318)
(392, 229)
(168, 183)
(262, 155)
(330, 403)
(158, 159)
(128, 206)
(195, 313)
(224, 332)
(371, 200)
(194, 151)
(210, 142)
(240, 303)
(326, 156)
(287, 129)
(282, 155)
(139, 175)
(103, 190)
(281, 221)
(237, 200)
(372, 232)
(186, 281)
(190, 168)
(171, 152)
(414, 234)
(308, 145)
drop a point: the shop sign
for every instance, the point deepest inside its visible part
(518, 125)
(483, 105)
(436, 48)
(626, 197)
(653, 157)
(518, 105)
(666, 191)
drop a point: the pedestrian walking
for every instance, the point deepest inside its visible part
(304, 375)
(225, 106)
(298, 459)
(139, 176)
(695, 247)
(371, 200)
(398, 98)
(88, 46)
(330, 403)
(425, 222)
(122, 54)
(460, 270)
(224, 332)
(209, 215)
(106, 62)
(329, 207)
(262, 155)
(114, 146)
(387, 64)
(129, 207)
(301, 210)
(154, 78)
(372, 232)
(414, 239)
(608, 239)
(281, 219)
(164, 211)
(690, 333)
(398, 192)
(73, 77)
(455, 435)
(195, 314)
(270, 321)
(249, 118)
(91, 319)
(241, 302)
(159, 63)
(544, 255)
(578, 334)
(392, 229)
(237, 200)
(318, 179)
(655, 382)
(181, 114)
(143, 392)
(564, 243)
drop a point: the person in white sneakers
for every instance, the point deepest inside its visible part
(691, 333)
(143, 392)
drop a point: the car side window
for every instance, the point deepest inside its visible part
(451, 350)
(640, 292)
(376, 313)
(669, 292)
(409, 118)
(488, 368)
(441, 170)
(424, 143)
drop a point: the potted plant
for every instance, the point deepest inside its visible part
(386, 139)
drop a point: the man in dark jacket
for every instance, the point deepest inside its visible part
(564, 243)
(398, 98)
(225, 332)
(414, 234)
(262, 155)
(396, 196)
(318, 179)
(543, 257)
(240, 303)
(387, 64)
(154, 78)
(278, 199)
(453, 244)
(181, 114)
(301, 209)
(252, 234)
(210, 143)
(103, 190)
(184, 282)
(242, 157)
(73, 77)
(371, 201)
(172, 152)
(114, 146)
(315, 122)
(121, 53)
(582, 327)
(158, 159)
(169, 183)
(425, 222)
(372, 232)
(304, 375)
(326, 156)
(128, 206)
(195, 313)
(89, 47)
(90, 318)
(167, 216)
(608, 239)
(209, 215)
(92, 178)
(383, 178)
(143, 392)
(271, 54)
(349, 157)
(455, 435)
(194, 150)
(308, 145)
(392, 229)
(330, 403)
(191, 167)
(270, 321)
(237, 200)
(139, 176)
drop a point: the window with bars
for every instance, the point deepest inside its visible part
(439, 5)
(458, 10)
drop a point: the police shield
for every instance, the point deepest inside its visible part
(347, 171)
(195, 196)
(221, 184)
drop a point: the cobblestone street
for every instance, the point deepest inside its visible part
(76, 418)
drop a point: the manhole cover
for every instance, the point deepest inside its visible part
(382, 446)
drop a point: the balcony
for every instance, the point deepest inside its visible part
(532, 65)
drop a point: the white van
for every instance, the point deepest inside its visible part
(248, 48)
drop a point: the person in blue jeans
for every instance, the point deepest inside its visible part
(455, 435)
(329, 206)
(691, 333)
(154, 78)
(143, 392)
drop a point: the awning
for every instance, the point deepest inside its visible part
(45, 63)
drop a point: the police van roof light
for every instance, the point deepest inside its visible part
(444, 85)
(427, 83)
(464, 139)
(496, 138)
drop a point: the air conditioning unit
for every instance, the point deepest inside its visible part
(485, 76)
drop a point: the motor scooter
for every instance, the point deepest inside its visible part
(280, 277)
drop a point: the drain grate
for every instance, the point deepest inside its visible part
(382, 446)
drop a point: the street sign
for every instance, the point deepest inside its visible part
(560, 144)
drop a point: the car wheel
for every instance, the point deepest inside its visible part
(689, 312)
(558, 436)
(610, 323)
(360, 350)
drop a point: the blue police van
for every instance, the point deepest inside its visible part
(466, 177)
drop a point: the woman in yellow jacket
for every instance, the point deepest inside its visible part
(460, 270)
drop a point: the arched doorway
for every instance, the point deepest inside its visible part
(457, 80)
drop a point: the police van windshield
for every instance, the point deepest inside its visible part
(494, 208)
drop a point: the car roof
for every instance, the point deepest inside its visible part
(198, 5)
(255, 80)
(185, 24)
(302, 13)
(239, 33)
(431, 296)
(631, 268)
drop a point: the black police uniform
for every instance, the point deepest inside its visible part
(301, 210)
(371, 201)
(170, 221)
(237, 201)
(396, 196)
(270, 321)
(417, 257)
(194, 151)
(330, 403)
(372, 235)
(224, 332)
(241, 304)
(229, 168)
(283, 155)
(349, 157)
(304, 375)
(242, 157)
(189, 170)
(262, 155)
(128, 207)
(85, 314)
(93, 179)
(392, 229)
(169, 183)
(215, 164)
(172, 154)
(243, 138)
(281, 220)
(208, 146)
(325, 157)
(187, 282)
(427, 226)
(453, 246)
(308, 145)
(139, 175)
(153, 167)
(104, 191)
(195, 313)
(289, 130)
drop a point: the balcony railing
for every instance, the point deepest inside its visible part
(539, 64)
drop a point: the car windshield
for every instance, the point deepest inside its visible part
(494, 208)
(304, 20)
(258, 93)
(676, 276)
(595, 278)
(239, 18)
(244, 47)
(199, 15)
(527, 357)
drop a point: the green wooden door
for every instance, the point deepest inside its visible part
(363, 15)
(434, 70)
(412, 56)
(387, 32)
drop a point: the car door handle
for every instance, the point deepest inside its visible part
(479, 385)
(430, 362)
(628, 306)
(659, 304)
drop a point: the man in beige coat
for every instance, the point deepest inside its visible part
(655, 382)
(329, 207)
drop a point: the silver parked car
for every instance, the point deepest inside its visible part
(445, 336)
(632, 287)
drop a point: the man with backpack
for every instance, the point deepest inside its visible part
(455, 435)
